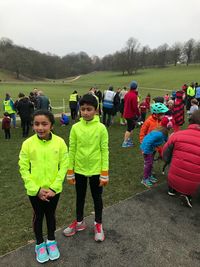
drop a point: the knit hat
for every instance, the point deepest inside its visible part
(168, 122)
(133, 85)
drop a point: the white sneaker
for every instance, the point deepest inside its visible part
(98, 232)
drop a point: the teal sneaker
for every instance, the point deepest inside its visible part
(147, 183)
(41, 253)
(53, 250)
(153, 179)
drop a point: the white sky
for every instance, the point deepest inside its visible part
(97, 27)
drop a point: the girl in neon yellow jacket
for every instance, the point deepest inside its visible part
(43, 163)
(88, 159)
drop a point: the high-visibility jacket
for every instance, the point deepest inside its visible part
(73, 97)
(43, 163)
(191, 91)
(88, 147)
(8, 106)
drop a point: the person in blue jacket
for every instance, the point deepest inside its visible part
(152, 140)
(64, 120)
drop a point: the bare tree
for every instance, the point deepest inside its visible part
(188, 50)
(131, 52)
(197, 52)
(175, 52)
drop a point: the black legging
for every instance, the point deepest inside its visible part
(25, 124)
(96, 191)
(48, 209)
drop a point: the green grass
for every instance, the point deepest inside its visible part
(170, 78)
(126, 165)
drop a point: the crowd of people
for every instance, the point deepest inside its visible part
(24, 106)
(45, 159)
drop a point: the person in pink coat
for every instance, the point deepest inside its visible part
(183, 154)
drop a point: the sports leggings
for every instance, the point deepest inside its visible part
(48, 209)
(96, 191)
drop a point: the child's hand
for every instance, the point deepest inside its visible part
(104, 178)
(50, 194)
(103, 182)
(43, 194)
(71, 181)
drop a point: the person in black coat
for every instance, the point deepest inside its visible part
(25, 110)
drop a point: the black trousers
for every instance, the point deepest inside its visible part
(73, 113)
(107, 112)
(25, 124)
(48, 209)
(96, 191)
(7, 133)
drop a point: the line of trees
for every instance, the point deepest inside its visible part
(133, 56)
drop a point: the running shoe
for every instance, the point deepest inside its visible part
(98, 232)
(41, 253)
(74, 227)
(53, 250)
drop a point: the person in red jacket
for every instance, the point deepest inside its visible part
(131, 113)
(183, 153)
(6, 121)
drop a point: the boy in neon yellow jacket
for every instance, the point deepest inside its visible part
(43, 162)
(88, 158)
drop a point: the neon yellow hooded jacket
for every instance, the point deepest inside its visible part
(88, 147)
(43, 164)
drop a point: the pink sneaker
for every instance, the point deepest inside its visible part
(74, 227)
(98, 232)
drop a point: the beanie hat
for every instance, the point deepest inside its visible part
(168, 122)
(133, 85)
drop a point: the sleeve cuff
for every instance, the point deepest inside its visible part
(70, 174)
(104, 175)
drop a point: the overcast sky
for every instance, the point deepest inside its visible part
(97, 27)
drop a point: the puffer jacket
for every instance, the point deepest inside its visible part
(151, 141)
(183, 153)
(150, 124)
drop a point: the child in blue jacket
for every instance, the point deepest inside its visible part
(152, 140)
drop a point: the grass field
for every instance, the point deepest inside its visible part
(126, 165)
(170, 78)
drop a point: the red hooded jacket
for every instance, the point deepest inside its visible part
(131, 109)
(183, 153)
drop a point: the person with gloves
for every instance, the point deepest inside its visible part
(88, 160)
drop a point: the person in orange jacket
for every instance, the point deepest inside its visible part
(157, 112)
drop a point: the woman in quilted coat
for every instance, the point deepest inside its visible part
(182, 151)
